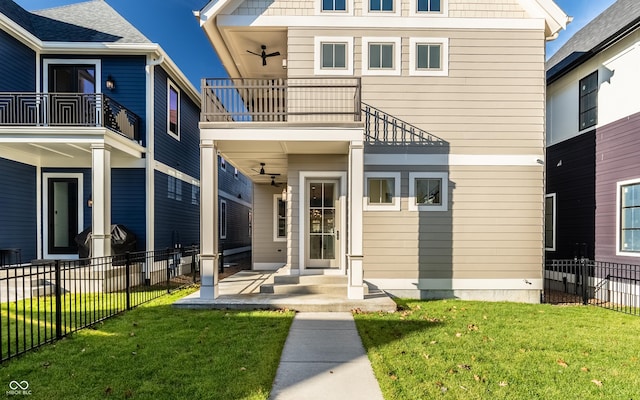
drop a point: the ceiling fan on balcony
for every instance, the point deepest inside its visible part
(264, 54)
(274, 183)
(263, 172)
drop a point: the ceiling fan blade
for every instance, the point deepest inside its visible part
(275, 53)
(257, 54)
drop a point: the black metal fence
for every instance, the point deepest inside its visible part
(43, 302)
(603, 284)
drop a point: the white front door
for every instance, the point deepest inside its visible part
(323, 216)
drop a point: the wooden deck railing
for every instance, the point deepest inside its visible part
(68, 109)
(281, 100)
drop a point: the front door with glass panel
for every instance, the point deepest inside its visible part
(62, 215)
(323, 224)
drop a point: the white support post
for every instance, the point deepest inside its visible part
(208, 220)
(101, 198)
(355, 290)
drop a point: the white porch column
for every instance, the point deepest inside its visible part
(208, 220)
(101, 197)
(355, 289)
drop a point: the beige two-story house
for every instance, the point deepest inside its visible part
(399, 143)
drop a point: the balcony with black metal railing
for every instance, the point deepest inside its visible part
(69, 110)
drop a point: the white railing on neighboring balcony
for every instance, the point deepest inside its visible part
(67, 109)
(281, 100)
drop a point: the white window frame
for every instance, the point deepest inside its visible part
(554, 215)
(276, 217)
(171, 85)
(366, 10)
(395, 205)
(195, 193)
(444, 57)
(397, 55)
(619, 186)
(71, 61)
(223, 219)
(348, 11)
(317, 51)
(235, 173)
(444, 191)
(413, 10)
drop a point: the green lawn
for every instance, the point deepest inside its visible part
(159, 352)
(474, 350)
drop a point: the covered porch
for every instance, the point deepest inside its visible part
(301, 142)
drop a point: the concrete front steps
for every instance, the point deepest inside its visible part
(332, 285)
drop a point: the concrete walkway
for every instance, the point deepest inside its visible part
(323, 358)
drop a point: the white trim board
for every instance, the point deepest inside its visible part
(167, 170)
(455, 159)
(378, 22)
(458, 284)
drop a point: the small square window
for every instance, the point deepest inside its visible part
(433, 6)
(334, 55)
(428, 56)
(381, 5)
(381, 56)
(428, 191)
(382, 191)
(334, 5)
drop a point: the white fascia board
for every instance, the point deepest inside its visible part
(20, 33)
(285, 135)
(211, 10)
(100, 48)
(554, 17)
(380, 22)
(455, 159)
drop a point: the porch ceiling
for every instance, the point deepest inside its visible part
(247, 155)
(241, 39)
(67, 150)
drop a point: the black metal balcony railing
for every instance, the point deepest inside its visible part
(68, 109)
(281, 100)
(381, 128)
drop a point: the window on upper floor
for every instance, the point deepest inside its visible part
(550, 222)
(334, 5)
(429, 56)
(173, 110)
(385, 6)
(428, 191)
(195, 193)
(588, 101)
(381, 56)
(428, 7)
(333, 55)
(382, 191)
(629, 217)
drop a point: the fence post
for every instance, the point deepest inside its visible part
(127, 271)
(169, 257)
(585, 280)
(58, 301)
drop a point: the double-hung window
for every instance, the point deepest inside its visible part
(333, 55)
(173, 110)
(428, 191)
(279, 219)
(588, 101)
(629, 217)
(429, 56)
(381, 56)
(382, 191)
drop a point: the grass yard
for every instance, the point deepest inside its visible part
(475, 350)
(159, 352)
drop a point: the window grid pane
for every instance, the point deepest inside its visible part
(428, 56)
(381, 55)
(428, 191)
(334, 5)
(381, 190)
(588, 101)
(630, 218)
(428, 6)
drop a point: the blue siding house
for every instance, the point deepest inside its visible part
(98, 126)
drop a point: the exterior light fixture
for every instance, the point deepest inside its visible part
(110, 83)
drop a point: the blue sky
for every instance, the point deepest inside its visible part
(171, 24)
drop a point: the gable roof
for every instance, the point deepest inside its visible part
(91, 21)
(614, 23)
(17, 14)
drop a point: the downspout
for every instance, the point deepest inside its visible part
(150, 154)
